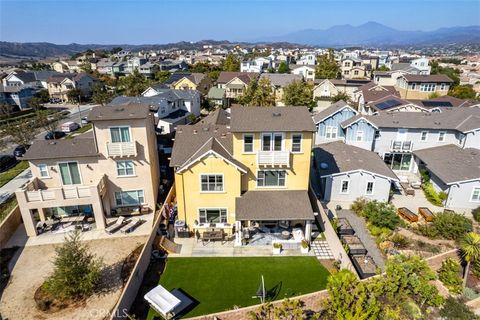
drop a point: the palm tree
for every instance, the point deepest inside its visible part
(470, 251)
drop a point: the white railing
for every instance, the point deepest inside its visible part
(58, 194)
(121, 149)
(273, 158)
(401, 146)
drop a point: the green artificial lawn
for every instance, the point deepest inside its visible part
(218, 284)
(11, 173)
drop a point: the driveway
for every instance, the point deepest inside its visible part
(35, 264)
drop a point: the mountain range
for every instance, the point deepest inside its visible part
(376, 34)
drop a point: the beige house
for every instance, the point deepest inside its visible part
(235, 83)
(58, 86)
(353, 68)
(279, 81)
(412, 86)
(112, 169)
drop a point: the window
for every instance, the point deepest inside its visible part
(272, 142)
(441, 136)
(424, 136)
(211, 182)
(212, 215)
(271, 178)
(398, 161)
(476, 195)
(69, 173)
(125, 168)
(128, 198)
(344, 187)
(331, 132)
(43, 170)
(120, 134)
(247, 143)
(414, 86)
(428, 87)
(369, 190)
(359, 136)
(346, 72)
(355, 72)
(296, 142)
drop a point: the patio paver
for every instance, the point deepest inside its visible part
(322, 250)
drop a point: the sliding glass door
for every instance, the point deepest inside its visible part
(70, 173)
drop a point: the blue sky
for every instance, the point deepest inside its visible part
(162, 21)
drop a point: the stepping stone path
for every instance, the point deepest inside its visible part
(322, 250)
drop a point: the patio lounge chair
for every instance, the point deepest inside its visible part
(131, 225)
(120, 222)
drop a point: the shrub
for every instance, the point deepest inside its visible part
(382, 215)
(359, 205)
(76, 271)
(428, 231)
(434, 197)
(454, 309)
(476, 268)
(451, 225)
(399, 240)
(449, 274)
(277, 245)
(476, 214)
(380, 234)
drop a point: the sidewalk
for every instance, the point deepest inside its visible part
(14, 184)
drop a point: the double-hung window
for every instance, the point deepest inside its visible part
(272, 141)
(212, 215)
(359, 136)
(331, 132)
(476, 195)
(345, 186)
(120, 134)
(369, 189)
(125, 168)
(424, 136)
(211, 182)
(247, 143)
(297, 142)
(43, 169)
(271, 178)
(70, 173)
(128, 198)
(441, 136)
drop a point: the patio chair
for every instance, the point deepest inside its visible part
(131, 225)
(120, 222)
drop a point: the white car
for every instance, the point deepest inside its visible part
(70, 126)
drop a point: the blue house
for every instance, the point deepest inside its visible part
(359, 132)
(329, 121)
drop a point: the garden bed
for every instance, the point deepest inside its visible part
(364, 265)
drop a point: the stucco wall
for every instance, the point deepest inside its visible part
(9, 225)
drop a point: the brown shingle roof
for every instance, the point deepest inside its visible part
(80, 146)
(427, 78)
(373, 92)
(334, 108)
(246, 77)
(451, 163)
(120, 112)
(274, 205)
(258, 119)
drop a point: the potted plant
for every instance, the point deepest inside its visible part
(277, 248)
(305, 247)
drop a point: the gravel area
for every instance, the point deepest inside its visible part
(35, 264)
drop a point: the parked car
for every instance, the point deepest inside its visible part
(70, 126)
(85, 120)
(7, 162)
(20, 150)
(54, 135)
(55, 100)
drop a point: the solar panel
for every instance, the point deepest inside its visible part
(433, 104)
(388, 104)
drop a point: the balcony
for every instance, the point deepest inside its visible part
(121, 149)
(401, 146)
(273, 158)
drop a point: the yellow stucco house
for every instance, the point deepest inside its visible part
(243, 169)
(413, 86)
(192, 81)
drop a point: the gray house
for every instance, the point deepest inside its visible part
(455, 171)
(347, 172)
(328, 122)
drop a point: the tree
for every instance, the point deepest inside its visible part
(116, 50)
(35, 103)
(101, 95)
(21, 132)
(258, 94)
(381, 214)
(231, 63)
(43, 96)
(349, 298)
(248, 94)
(214, 75)
(283, 68)
(134, 84)
(452, 73)
(298, 93)
(463, 92)
(454, 309)
(76, 271)
(49, 122)
(74, 95)
(449, 275)
(341, 96)
(327, 67)
(451, 225)
(161, 76)
(383, 68)
(470, 251)
(288, 310)
(6, 109)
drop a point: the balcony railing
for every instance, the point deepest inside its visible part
(273, 158)
(121, 149)
(401, 146)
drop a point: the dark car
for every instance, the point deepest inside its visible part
(7, 162)
(20, 150)
(54, 135)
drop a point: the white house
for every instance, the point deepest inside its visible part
(306, 71)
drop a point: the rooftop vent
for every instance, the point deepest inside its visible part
(205, 128)
(119, 109)
(277, 114)
(323, 165)
(195, 131)
(437, 122)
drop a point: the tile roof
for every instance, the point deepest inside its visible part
(274, 205)
(451, 163)
(258, 119)
(80, 146)
(341, 157)
(119, 112)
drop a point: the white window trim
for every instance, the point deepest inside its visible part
(211, 208)
(126, 126)
(440, 134)
(348, 186)
(301, 142)
(471, 195)
(126, 175)
(373, 188)
(426, 136)
(358, 134)
(333, 129)
(212, 174)
(253, 143)
(46, 170)
(272, 187)
(60, 174)
(129, 205)
(272, 140)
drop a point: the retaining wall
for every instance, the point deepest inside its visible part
(9, 225)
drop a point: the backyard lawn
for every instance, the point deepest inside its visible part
(218, 284)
